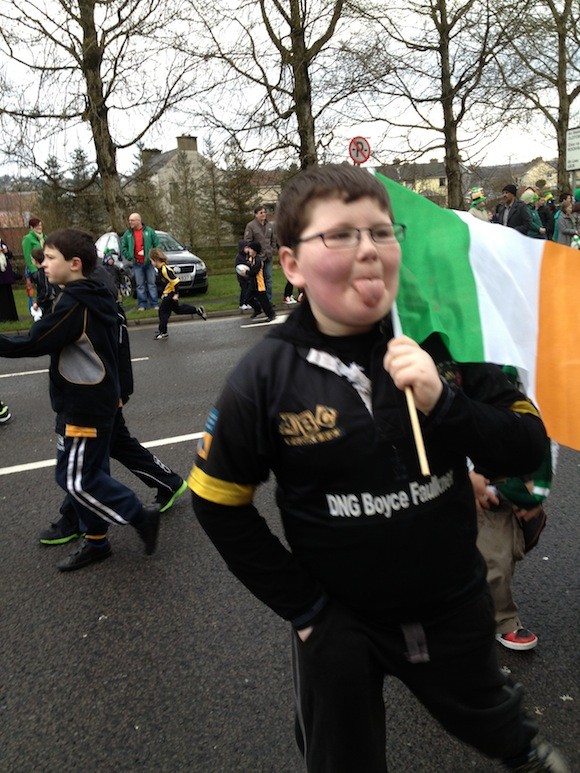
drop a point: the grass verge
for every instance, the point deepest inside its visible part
(223, 295)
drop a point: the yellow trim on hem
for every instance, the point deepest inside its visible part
(72, 430)
(221, 492)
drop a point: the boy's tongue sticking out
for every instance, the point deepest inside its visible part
(371, 290)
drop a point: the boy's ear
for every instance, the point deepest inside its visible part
(291, 266)
(76, 264)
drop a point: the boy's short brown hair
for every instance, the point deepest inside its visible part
(331, 181)
(74, 243)
(157, 254)
(37, 255)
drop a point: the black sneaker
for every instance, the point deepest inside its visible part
(543, 758)
(160, 336)
(255, 314)
(272, 317)
(148, 529)
(84, 555)
(201, 311)
(55, 535)
(5, 414)
(165, 501)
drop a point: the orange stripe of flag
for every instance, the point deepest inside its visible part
(558, 361)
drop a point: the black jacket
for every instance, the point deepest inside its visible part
(45, 291)
(363, 525)
(518, 216)
(81, 337)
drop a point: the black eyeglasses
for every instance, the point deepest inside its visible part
(347, 238)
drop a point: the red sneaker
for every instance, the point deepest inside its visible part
(522, 639)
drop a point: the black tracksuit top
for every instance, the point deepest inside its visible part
(81, 336)
(363, 525)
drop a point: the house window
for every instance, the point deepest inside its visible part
(173, 192)
(442, 182)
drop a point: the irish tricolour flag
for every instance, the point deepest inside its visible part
(494, 296)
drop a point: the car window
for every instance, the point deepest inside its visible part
(168, 243)
(108, 241)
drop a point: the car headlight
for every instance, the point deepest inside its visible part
(201, 265)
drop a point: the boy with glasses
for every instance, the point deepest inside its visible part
(382, 575)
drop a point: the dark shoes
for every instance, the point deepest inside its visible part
(148, 528)
(54, 535)
(201, 311)
(84, 555)
(165, 501)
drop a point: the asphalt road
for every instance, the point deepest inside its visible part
(166, 663)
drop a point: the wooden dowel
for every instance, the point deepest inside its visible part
(417, 434)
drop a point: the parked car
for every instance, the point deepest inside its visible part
(190, 269)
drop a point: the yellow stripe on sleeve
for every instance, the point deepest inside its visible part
(524, 406)
(221, 492)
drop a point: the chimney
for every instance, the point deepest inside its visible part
(185, 142)
(148, 155)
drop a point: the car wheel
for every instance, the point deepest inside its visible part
(126, 286)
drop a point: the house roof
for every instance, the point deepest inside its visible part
(410, 172)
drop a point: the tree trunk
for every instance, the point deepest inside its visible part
(452, 165)
(97, 116)
(563, 105)
(302, 90)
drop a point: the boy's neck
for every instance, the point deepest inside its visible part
(75, 278)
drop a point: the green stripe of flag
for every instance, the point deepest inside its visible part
(438, 291)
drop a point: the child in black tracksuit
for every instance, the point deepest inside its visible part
(81, 337)
(379, 573)
(258, 296)
(114, 271)
(124, 447)
(169, 301)
(243, 279)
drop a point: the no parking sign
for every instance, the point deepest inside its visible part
(359, 150)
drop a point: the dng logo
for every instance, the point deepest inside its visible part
(308, 427)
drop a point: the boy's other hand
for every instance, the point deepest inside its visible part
(484, 496)
(410, 366)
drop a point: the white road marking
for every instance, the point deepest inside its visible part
(277, 321)
(23, 373)
(45, 370)
(52, 462)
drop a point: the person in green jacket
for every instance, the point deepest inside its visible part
(33, 239)
(531, 197)
(136, 243)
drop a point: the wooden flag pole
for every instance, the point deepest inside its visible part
(412, 408)
(417, 434)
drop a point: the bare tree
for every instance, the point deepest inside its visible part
(277, 66)
(440, 86)
(105, 64)
(540, 68)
